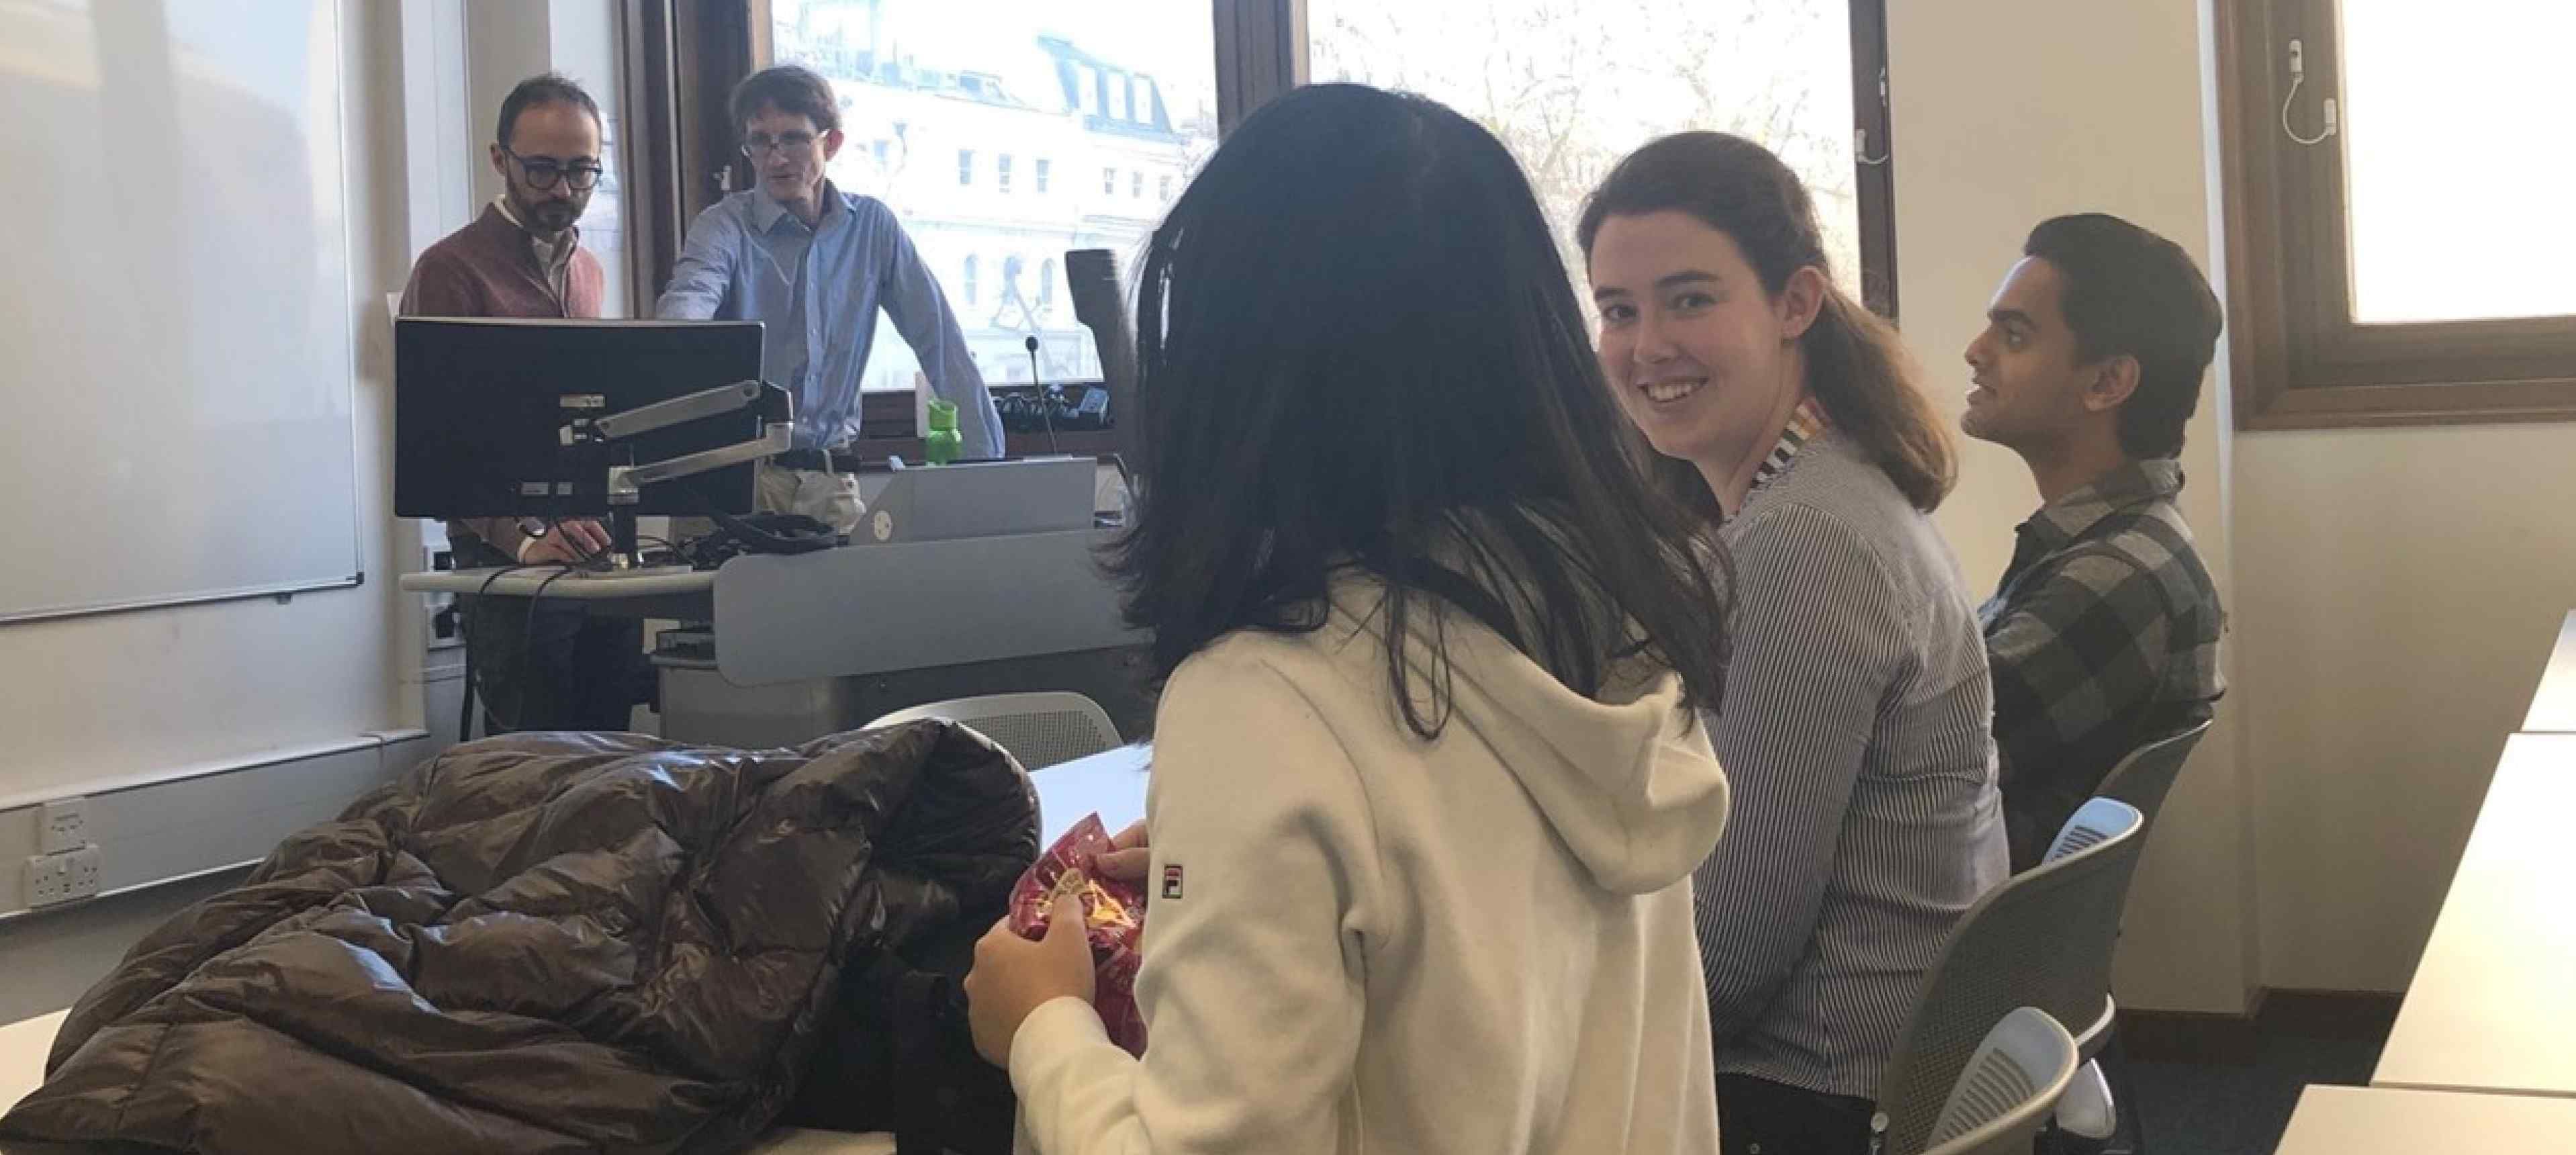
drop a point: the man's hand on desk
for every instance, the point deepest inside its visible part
(569, 543)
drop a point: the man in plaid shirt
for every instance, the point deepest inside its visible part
(2104, 633)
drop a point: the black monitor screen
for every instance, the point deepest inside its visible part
(480, 406)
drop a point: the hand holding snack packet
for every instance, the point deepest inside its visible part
(1113, 917)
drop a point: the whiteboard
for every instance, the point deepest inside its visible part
(176, 315)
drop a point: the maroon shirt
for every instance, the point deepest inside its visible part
(489, 269)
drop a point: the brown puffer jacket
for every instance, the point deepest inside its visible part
(540, 943)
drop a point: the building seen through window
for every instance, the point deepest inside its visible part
(1124, 85)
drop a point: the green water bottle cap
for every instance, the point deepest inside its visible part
(943, 414)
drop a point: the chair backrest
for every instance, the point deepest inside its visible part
(2098, 821)
(1040, 730)
(2142, 778)
(2041, 939)
(2011, 1085)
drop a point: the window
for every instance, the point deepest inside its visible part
(1166, 192)
(1046, 283)
(1572, 88)
(1140, 86)
(2397, 218)
(1052, 83)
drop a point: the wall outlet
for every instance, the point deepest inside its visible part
(53, 879)
(62, 825)
(86, 870)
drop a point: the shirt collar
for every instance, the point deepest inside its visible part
(766, 211)
(2135, 483)
(1805, 423)
(549, 253)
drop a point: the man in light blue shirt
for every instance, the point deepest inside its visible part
(814, 264)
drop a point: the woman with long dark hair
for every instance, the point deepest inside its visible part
(1428, 785)
(1854, 722)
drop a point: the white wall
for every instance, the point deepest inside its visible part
(113, 696)
(2008, 112)
(2411, 583)
(508, 41)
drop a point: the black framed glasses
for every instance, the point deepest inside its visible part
(542, 173)
(761, 144)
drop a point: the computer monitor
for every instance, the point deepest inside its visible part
(481, 405)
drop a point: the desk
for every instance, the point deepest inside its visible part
(22, 1056)
(683, 596)
(2553, 708)
(1110, 783)
(2493, 1005)
(2368, 1120)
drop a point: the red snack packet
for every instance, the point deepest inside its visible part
(1113, 915)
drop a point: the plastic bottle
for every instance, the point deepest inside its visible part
(939, 446)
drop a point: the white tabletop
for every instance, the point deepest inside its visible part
(2553, 707)
(22, 1070)
(571, 584)
(1111, 784)
(798, 1141)
(2368, 1120)
(2493, 1003)
(22, 1056)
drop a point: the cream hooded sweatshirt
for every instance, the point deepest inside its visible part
(1357, 940)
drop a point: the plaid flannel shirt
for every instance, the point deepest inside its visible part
(2103, 635)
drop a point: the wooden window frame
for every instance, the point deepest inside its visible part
(2299, 359)
(683, 58)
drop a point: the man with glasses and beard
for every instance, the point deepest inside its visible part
(815, 264)
(551, 666)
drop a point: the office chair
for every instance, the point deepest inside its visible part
(2090, 1109)
(2041, 939)
(1039, 730)
(2143, 778)
(2011, 1084)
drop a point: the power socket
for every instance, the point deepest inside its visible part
(62, 825)
(54, 879)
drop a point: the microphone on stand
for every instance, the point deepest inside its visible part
(1046, 404)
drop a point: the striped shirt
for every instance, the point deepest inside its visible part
(1854, 736)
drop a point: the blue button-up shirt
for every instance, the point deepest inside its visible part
(817, 290)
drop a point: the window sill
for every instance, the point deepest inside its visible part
(2277, 407)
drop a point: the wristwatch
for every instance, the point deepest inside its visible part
(531, 531)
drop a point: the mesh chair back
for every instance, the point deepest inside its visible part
(2011, 1085)
(2041, 939)
(2143, 778)
(1040, 730)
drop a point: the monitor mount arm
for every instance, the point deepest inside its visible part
(593, 438)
